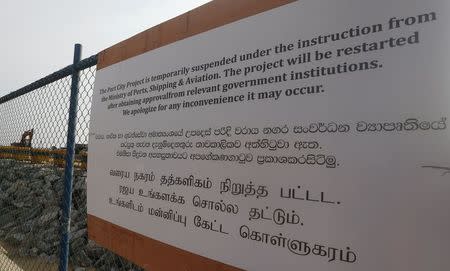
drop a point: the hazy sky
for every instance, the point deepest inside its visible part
(38, 36)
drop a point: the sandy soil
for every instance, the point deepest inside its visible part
(10, 261)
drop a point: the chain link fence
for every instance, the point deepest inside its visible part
(33, 134)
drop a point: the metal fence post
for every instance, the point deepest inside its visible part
(68, 171)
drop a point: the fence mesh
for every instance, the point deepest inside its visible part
(33, 133)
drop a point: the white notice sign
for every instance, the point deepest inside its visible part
(314, 136)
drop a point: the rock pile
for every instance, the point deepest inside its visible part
(30, 200)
